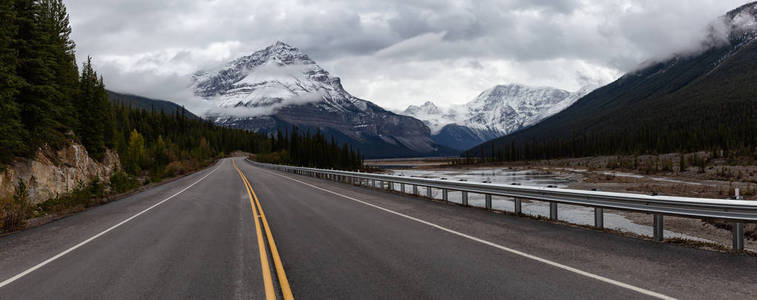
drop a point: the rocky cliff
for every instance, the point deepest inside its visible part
(53, 173)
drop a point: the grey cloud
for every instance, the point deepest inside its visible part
(382, 47)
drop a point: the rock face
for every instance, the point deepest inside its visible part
(500, 110)
(53, 173)
(280, 86)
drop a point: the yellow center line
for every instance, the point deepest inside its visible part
(283, 282)
(270, 294)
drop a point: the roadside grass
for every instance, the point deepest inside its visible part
(13, 211)
(17, 213)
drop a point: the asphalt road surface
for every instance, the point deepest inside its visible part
(210, 235)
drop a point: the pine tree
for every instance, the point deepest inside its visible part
(11, 132)
(44, 109)
(55, 19)
(92, 112)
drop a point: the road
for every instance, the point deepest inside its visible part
(198, 237)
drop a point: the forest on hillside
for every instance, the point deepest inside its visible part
(47, 102)
(706, 102)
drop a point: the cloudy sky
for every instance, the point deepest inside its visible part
(392, 52)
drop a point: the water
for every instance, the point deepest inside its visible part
(568, 213)
(493, 175)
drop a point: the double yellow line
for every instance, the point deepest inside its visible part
(267, 281)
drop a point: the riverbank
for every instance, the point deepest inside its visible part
(587, 174)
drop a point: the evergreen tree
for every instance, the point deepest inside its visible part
(44, 106)
(93, 110)
(11, 131)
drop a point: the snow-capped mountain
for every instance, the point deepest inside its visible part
(682, 101)
(269, 79)
(495, 112)
(280, 86)
(431, 115)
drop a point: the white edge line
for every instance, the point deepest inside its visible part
(485, 242)
(59, 255)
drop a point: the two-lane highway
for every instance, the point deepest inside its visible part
(211, 235)
(193, 238)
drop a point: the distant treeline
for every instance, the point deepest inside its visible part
(160, 144)
(706, 102)
(735, 137)
(311, 150)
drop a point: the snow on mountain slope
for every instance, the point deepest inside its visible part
(269, 79)
(431, 115)
(280, 86)
(653, 108)
(495, 112)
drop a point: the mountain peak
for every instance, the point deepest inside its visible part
(430, 106)
(281, 44)
(498, 110)
(281, 53)
(515, 95)
(280, 87)
(749, 8)
(427, 108)
(740, 23)
(281, 47)
(278, 64)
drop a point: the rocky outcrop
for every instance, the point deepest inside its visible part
(53, 173)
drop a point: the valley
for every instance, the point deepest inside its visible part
(600, 173)
(378, 149)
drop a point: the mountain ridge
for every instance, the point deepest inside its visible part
(280, 86)
(497, 111)
(689, 102)
(149, 104)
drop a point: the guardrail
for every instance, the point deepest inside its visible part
(736, 211)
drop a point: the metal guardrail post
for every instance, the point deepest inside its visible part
(738, 236)
(429, 192)
(391, 186)
(465, 198)
(445, 195)
(373, 183)
(599, 217)
(402, 188)
(415, 190)
(518, 206)
(658, 228)
(488, 201)
(553, 210)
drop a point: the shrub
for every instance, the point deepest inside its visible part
(121, 182)
(14, 211)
